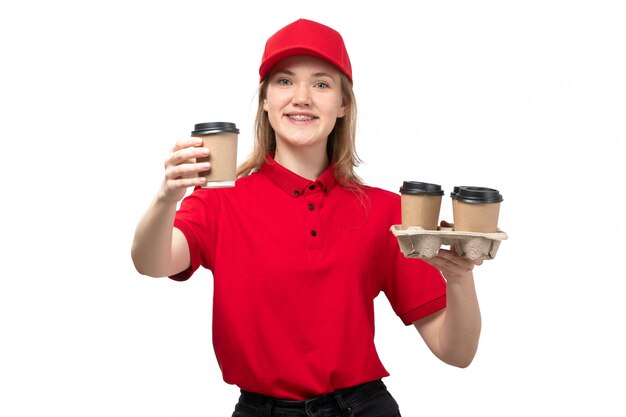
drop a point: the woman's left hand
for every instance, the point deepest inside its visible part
(453, 266)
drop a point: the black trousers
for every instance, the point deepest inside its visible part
(366, 400)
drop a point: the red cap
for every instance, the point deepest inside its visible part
(305, 37)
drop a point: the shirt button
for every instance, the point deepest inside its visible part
(311, 207)
(313, 233)
(312, 187)
(296, 193)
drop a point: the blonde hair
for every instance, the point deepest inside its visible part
(341, 146)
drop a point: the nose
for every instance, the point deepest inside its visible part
(301, 96)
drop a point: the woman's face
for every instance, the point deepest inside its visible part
(304, 100)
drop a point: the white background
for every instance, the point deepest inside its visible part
(526, 97)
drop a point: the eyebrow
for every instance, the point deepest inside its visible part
(317, 74)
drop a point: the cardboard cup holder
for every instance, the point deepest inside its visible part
(416, 242)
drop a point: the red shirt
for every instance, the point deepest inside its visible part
(296, 267)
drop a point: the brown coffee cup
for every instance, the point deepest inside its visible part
(476, 209)
(421, 203)
(221, 139)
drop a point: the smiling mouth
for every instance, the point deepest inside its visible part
(300, 118)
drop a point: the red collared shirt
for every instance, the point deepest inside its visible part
(296, 267)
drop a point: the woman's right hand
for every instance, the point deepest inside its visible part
(181, 169)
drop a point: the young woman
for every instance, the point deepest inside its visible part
(300, 247)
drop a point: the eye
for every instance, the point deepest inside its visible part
(322, 84)
(283, 81)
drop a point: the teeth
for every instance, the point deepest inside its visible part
(301, 118)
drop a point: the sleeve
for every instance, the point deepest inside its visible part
(197, 218)
(414, 288)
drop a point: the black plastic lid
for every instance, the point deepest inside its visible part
(455, 190)
(477, 195)
(214, 127)
(416, 188)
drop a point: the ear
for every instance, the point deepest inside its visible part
(265, 105)
(343, 108)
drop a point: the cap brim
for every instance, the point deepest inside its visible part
(270, 61)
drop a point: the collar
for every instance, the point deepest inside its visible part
(295, 185)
